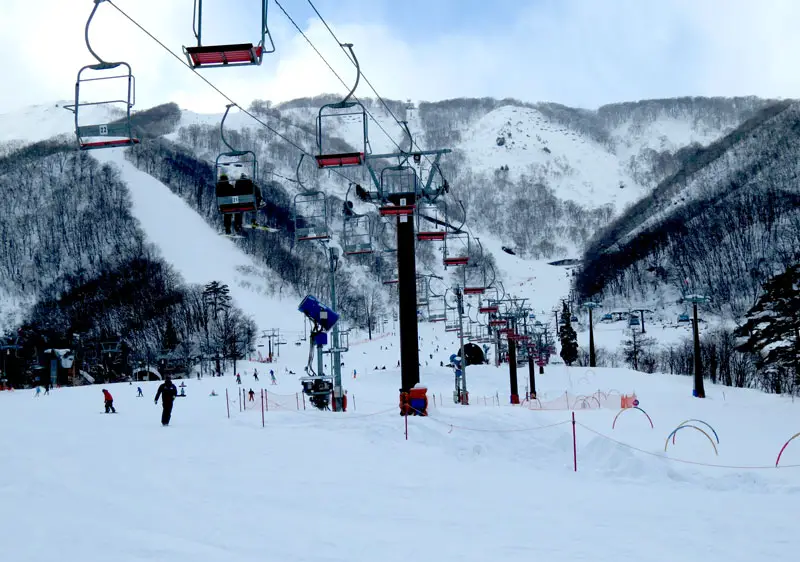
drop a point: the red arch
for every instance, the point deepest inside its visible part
(784, 448)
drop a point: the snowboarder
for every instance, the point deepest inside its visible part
(272, 376)
(139, 392)
(167, 391)
(251, 395)
(255, 374)
(109, 402)
(213, 392)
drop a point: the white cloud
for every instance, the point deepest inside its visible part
(578, 52)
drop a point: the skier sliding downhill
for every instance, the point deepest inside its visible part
(167, 391)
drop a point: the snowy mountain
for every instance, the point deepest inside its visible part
(566, 171)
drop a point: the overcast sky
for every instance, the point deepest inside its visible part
(577, 52)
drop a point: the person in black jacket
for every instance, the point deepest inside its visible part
(167, 391)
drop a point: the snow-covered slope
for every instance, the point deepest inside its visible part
(579, 168)
(474, 483)
(199, 253)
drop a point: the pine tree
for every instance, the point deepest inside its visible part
(568, 337)
(170, 340)
(637, 351)
(772, 330)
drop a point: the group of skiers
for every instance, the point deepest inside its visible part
(255, 377)
(167, 391)
(242, 187)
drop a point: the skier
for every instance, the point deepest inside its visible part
(255, 374)
(168, 391)
(272, 376)
(251, 395)
(139, 392)
(238, 378)
(109, 402)
(38, 391)
(225, 189)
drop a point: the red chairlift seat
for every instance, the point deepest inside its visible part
(340, 160)
(488, 309)
(396, 210)
(497, 322)
(474, 290)
(433, 236)
(390, 282)
(456, 260)
(225, 55)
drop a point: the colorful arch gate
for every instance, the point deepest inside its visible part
(792, 438)
(708, 425)
(614, 423)
(685, 425)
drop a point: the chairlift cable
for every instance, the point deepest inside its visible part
(220, 92)
(380, 98)
(299, 30)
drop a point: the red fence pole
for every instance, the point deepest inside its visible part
(227, 404)
(406, 416)
(574, 445)
(262, 407)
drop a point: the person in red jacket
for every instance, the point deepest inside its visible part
(109, 402)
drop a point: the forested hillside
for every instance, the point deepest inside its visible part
(78, 263)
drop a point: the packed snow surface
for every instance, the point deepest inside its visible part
(481, 482)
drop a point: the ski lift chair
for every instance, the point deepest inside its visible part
(422, 291)
(311, 216)
(236, 196)
(633, 320)
(387, 267)
(342, 111)
(456, 249)
(438, 309)
(95, 135)
(398, 190)
(238, 54)
(431, 223)
(452, 320)
(357, 235)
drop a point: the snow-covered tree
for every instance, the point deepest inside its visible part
(772, 330)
